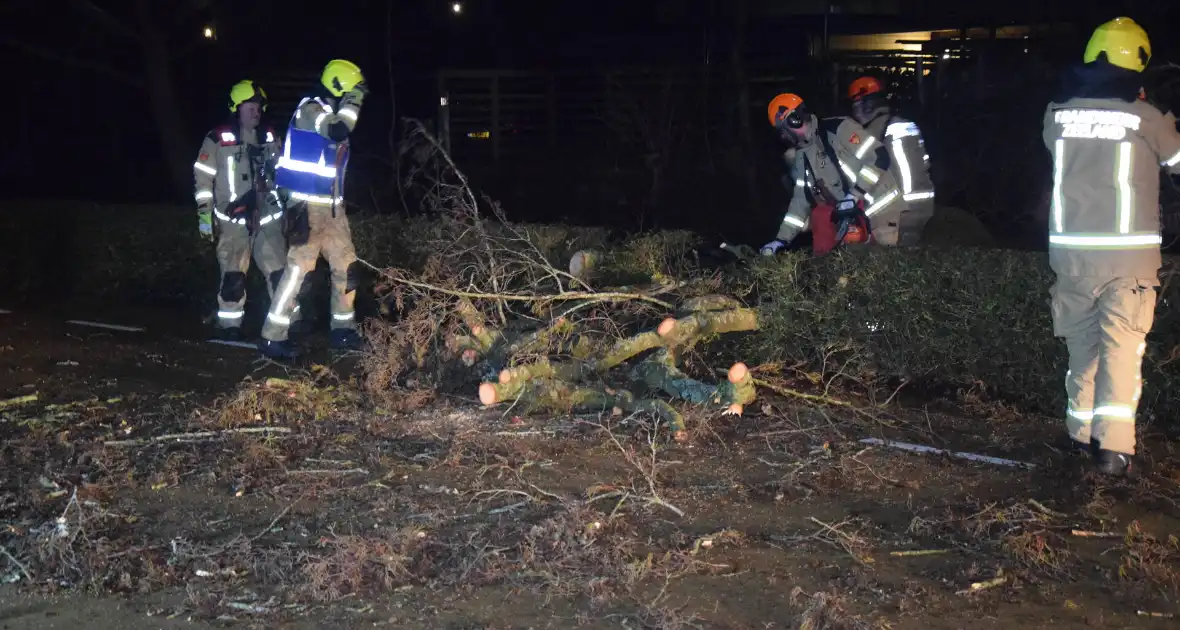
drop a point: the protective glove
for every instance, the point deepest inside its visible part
(772, 247)
(205, 223)
(847, 204)
(355, 96)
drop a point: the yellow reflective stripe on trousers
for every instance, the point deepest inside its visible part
(1125, 193)
(285, 295)
(1115, 412)
(1142, 240)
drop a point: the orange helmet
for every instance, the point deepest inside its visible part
(863, 87)
(782, 106)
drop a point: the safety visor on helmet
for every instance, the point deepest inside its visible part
(789, 116)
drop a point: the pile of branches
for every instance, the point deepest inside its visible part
(545, 326)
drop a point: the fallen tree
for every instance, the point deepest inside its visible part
(488, 299)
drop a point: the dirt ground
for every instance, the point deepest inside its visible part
(455, 516)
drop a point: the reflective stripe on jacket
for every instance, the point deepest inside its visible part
(1104, 209)
(312, 166)
(910, 165)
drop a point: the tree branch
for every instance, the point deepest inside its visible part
(77, 62)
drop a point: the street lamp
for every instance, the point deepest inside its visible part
(208, 32)
(457, 8)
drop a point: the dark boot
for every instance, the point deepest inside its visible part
(1116, 464)
(278, 350)
(230, 334)
(346, 339)
(1085, 449)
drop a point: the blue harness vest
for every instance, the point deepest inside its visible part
(312, 166)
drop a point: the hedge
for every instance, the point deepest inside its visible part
(939, 317)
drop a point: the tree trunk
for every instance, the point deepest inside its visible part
(176, 148)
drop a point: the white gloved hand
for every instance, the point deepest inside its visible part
(772, 247)
(847, 203)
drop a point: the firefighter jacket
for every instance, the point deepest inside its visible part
(1104, 211)
(231, 164)
(842, 159)
(909, 163)
(315, 154)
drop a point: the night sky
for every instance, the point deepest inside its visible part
(84, 130)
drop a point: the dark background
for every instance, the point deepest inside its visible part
(105, 96)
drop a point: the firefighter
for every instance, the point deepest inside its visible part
(837, 167)
(1108, 146)
(909, 163)
(237, 204)
(310, 175)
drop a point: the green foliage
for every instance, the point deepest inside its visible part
(940, 317)
(964, 317)
(652, 257)
(82, 248)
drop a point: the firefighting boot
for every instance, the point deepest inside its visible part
(230, 334)
(1083, 449)
(1116, 464)
(346, 339)
(278, 350)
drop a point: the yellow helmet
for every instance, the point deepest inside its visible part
(1124, 42)
(243, 91)
(341, 76)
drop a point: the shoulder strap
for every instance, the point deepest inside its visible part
(825, 124)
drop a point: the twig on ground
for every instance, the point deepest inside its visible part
(649, 474)
(276, 520)
(23, 568)
(917, 552)
(791, 393)
(328, 471)
(983, 586)
(1081, 533)
(1046, 511)
(196, 436)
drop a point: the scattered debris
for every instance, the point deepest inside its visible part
(196, 436)
(1086, 534)
(975, 587)
(918, 448)
(236, 344)
(19, 400)
(917, 552)
(81, 322)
